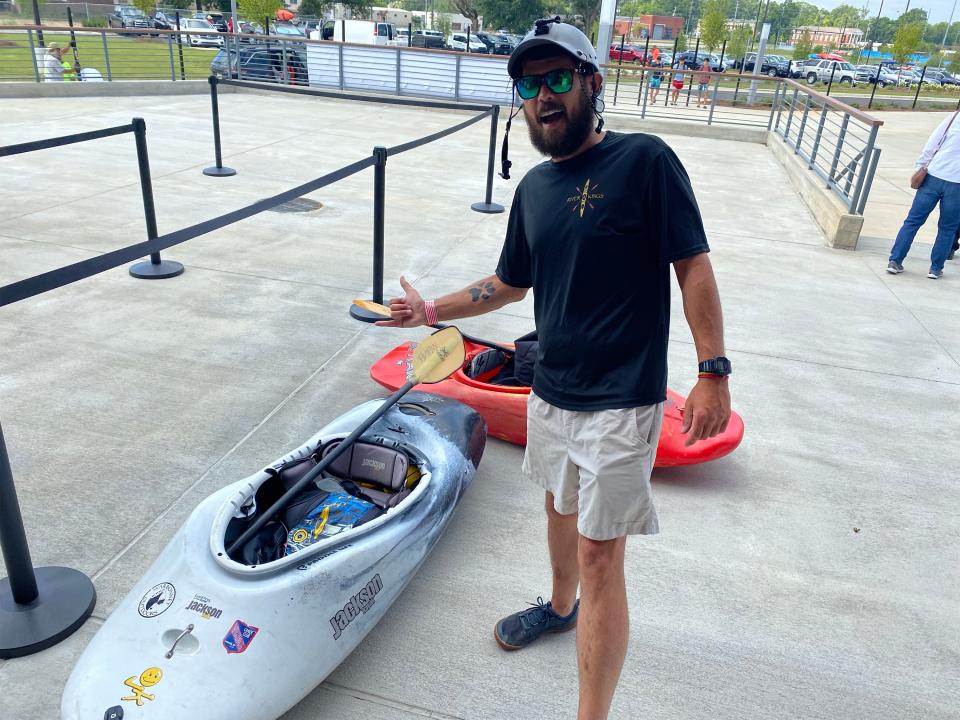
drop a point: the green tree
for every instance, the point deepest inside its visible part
(681, 43)
(256, 10)
(515, 15)
(468, 8)
(713, 25)
(906, 41)
(583, 13)
(803, 47)
(881, 30)
(307, 7)
(145, 6)
(737, 47)
(180, 5)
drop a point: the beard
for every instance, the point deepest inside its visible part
(573, 128)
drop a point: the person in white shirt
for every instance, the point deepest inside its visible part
(53, 63)
(941, 158)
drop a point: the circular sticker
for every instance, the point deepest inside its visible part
(157, 599)
(299, 535)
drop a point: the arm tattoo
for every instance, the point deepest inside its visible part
(483, 291)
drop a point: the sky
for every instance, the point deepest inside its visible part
(937, 10)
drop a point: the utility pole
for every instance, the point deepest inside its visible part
(943, 44)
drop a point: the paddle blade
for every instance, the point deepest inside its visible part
(437, 357)
(369, 311)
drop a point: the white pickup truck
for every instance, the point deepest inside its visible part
(843, 72)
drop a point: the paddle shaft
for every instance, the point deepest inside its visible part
(319, 468)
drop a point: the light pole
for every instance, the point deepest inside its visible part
(943, 44)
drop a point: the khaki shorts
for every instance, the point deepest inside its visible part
(596, 464)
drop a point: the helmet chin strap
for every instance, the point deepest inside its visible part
(593, 99)
(505, 148)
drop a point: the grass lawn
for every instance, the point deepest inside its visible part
(131, 58)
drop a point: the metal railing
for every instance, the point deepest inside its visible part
(724, 98)
(838, 142)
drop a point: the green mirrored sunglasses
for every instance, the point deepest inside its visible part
(557, 81)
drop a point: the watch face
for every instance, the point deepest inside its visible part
(718, 365)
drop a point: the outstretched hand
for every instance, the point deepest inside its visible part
(407, 311)
(707, 410)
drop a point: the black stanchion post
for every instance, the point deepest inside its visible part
(919, 85)
(833, 69)
(183, 69)
(155, 268)
(488, 206)
(73, 44)
(217, 170)
(36, 21)
(38, 608)
(696, 61)
(379, 209)
(409, 34)
(873, 91)
(616, 87)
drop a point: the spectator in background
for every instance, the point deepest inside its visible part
(656, 77)
(677, 82)
(703, 82)
(940, 160)
(53, 65)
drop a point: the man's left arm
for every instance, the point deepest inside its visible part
(707, 410)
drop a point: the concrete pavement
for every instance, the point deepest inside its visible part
(811, 574)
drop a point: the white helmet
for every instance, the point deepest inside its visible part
(568, 38)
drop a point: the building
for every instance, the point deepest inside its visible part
(656, 27)
(831, 36)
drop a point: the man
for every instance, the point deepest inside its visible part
(593, 232)
(54, 65)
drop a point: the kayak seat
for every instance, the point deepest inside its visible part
(372, 472)
(495, 367)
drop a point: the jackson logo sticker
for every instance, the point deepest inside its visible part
(157, 600)
(201, 604)
(356, 606)
(239, 637)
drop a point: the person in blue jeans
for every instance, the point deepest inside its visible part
(941, 157)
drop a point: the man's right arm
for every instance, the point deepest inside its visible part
(484, 296)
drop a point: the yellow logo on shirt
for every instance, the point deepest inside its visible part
(581, 201)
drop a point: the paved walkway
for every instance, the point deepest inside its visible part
(812, 574)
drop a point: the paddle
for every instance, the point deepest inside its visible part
(369, 312)
(434, 359)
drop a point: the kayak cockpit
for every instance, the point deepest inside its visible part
(367, 485)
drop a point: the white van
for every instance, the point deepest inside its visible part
(364, 32)
(458, 41)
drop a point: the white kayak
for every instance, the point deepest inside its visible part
(203, 635)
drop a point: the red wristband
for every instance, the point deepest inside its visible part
(712, 376)
(430, 308)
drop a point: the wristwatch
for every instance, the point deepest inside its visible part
(716, 366)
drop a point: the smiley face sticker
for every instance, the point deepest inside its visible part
(148, 678)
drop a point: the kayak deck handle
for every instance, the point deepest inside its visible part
(179, 638)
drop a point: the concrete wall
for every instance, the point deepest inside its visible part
(840, 226)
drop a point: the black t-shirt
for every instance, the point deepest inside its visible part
(594, 237)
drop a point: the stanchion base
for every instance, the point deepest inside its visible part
(66, 600)
(156, 271)
(363, 315)
(488, 208)
(219, 171)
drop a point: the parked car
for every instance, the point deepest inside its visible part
(771, 65)
(630, 53)
(311, 25)
(943, 77)
(127, 16)
(288, 30)
(203, 34)
(365, 32)
(216, 19)
(458, 41)
(162, 21)
(693, 60)
(428, 39)
(822, 70)
(262, 62)
(496, 44)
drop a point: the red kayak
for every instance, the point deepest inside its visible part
(505, 409)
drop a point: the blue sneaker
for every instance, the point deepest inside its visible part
(520, 629)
